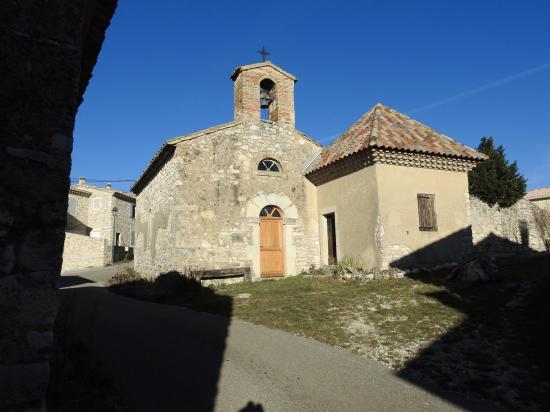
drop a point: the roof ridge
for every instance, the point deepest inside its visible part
(202, 132)
(375, 111)
(269, 63)
(80, 186)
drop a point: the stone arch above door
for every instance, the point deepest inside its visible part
(252, 214)
(262, 199)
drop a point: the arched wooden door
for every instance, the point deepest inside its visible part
(272, 262)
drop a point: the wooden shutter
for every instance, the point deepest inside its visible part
(426, 212)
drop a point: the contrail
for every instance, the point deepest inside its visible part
(488, 86)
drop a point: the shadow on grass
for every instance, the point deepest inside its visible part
(500, 351)
(171, 288)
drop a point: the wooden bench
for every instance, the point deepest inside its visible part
(227, 273)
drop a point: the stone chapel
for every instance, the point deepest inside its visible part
(258, 195)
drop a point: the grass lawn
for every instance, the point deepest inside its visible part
(486, 339)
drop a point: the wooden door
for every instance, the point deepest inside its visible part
(271, 242)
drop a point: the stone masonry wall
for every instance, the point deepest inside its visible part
(77, 221)
(47, 52)
(101, 218)
(247, 93)
(504, 230)
(193, 212)
(84, 251)
(124, 224)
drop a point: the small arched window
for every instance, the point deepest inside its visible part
(269, 165)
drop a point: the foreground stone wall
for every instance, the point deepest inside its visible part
(195, 211)
(83, 252)
(504, 230)
(47, 52)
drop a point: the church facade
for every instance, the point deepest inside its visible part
(258, 194)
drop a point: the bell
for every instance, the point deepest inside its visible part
(265, 99)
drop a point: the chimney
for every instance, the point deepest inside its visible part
(81, 180)
(109, 186)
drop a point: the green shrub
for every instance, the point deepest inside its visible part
(350, 264)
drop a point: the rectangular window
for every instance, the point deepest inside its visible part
(118, 239)
(132, 238)
(132, 211)
(96, 202)
(72, 205)
(426, 212)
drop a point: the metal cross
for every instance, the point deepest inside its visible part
(264, 53)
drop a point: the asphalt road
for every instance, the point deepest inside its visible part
(168, 358)
(91, 276)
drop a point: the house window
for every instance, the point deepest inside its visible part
(96, 202)
(132, 211)
(426, 212)
(132, 237)
(269, 165)
(71, 208)
(118, 239)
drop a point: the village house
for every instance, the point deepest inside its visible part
(260, 196)
(100, 226)
(539, 197)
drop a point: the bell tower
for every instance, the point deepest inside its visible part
(263, 91)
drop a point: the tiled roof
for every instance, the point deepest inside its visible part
(77, 192)
(540, 193)
(386, 128)
(117, 193)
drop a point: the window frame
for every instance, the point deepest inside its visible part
(100, 203)
(424, 227)
(71, 205)
(269, 172)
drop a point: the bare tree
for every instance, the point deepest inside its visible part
(542, 222)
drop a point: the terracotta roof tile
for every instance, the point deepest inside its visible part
(384, 127)
(540, 193)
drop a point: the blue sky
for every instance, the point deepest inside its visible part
(466, 68)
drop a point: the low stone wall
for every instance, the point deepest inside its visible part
(83, 251)
(497, 230)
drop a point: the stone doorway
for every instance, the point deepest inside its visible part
(271, 242)
(289, 219)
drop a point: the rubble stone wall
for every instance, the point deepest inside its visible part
(84, 251)
(499, 230)
(47, 50)
(193, 212)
